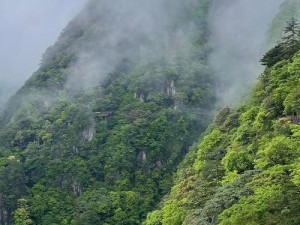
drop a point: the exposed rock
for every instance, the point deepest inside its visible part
(89, 133)
(75, 150)
(142, 157)
(140, 96)
(294, 118)
(170, 86)
(11, 158)
(158, 164)
(76, 188)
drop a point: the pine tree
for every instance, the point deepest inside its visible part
(286, 48)
(291, 30)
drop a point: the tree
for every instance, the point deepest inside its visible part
(273, 56)
(291, 31)
(50, 206)
(93, 207)
(172, 214)
(21, 215)
(154, 218)
(12, 187)
(286, 48)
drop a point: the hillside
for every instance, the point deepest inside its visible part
(288, 9)
(95, 135)
(118, 124)
(245, 168)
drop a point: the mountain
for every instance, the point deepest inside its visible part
(118, 125)
(95, 135)
(288, 9)
(245, 167)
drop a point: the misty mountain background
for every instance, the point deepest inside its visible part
(118, 123)
(28, 28)
(237, 27)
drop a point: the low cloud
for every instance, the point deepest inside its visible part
(238, 31)
(28, 27)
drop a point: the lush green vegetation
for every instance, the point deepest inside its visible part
(288, 9)
(104, 154)
(122, 151)
(286, 48)
(246, 169)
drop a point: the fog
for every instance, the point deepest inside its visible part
(28, 27)
(237, 37)
(237, 29)
(238, 32)
(135, 29)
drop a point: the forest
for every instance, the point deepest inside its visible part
(122, 124)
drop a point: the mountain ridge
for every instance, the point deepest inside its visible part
(104, 150)
(97, 134)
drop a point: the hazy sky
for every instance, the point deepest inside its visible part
(27, 28)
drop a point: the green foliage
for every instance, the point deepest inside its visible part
(274, 201)
(103, 207)
(246, 167)
(238, 159)
(292, 102)
(50, 205)
(12, 185)
(21, 214)
(221, 117)
(279, 151)
(209, 142)
(106, 153)
(286, 48)
(154, 218)
(172, 214)
(288, 9)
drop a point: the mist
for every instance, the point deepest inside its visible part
(238, 32)
(28, 27)
(133, 30)
(127, 30)
(237, 37)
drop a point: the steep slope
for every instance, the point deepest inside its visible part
(238, 32)
(245, 170)
(289, 9)
(94, 136)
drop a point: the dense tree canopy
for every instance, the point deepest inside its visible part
(104, 153)
(122, 150)
(247, 167)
